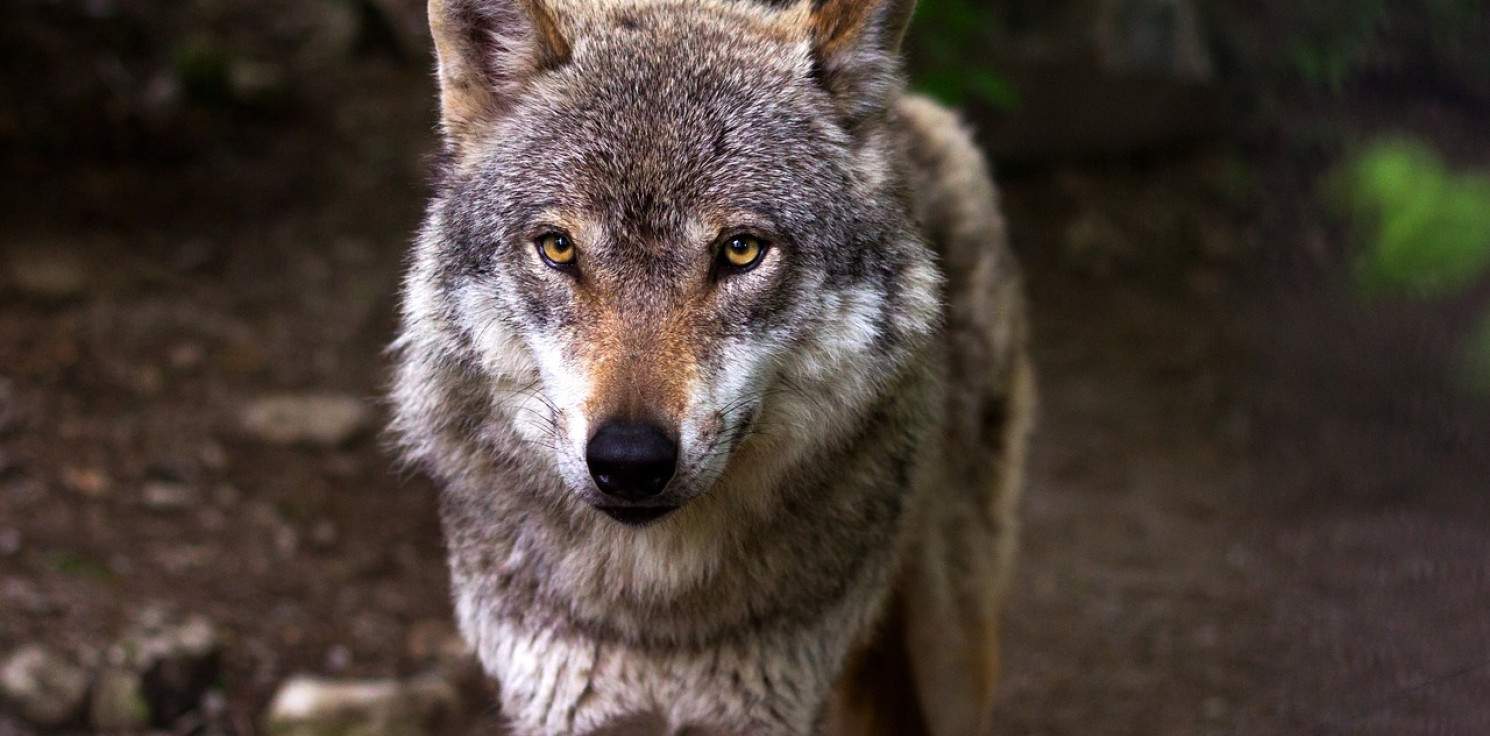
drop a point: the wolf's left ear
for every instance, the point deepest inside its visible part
(488, 52)
(857, 48)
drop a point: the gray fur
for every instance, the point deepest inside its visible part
(864, 420)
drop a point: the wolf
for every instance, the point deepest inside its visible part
(713, 341)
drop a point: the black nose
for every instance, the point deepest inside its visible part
(630, 460)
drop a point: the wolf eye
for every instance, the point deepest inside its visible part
(742, 252)
(557, 249)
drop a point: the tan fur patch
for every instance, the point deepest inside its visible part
(640, 367)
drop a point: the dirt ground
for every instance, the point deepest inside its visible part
(1254, 505)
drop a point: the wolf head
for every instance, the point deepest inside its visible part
(672, 250)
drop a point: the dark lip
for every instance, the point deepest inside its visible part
(636, 516)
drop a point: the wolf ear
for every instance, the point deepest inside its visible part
(857, 51)
(488, 50)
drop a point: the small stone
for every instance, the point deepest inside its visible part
(48, 274)
(87, 482)
(164, 496)
(323, 420)
(43, 687)
(118, 702)
(313, 706)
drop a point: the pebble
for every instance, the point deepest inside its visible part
(166, 496)
(322, 420)
(317, 706)
(10, 541)
(43, 687)
(87, 482)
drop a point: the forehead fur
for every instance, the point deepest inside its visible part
(672, 107)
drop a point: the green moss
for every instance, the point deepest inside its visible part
(1426, 228)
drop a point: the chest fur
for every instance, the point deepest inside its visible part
(555, 682)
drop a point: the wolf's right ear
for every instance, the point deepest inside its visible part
(488, 51)
(856, 44)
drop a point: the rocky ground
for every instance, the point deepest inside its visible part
(1255, 504)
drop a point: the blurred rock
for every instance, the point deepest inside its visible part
(118, 702)
(315, 706)
(87, 482)
(324, 420)
(164, 496)
(176, 659)
(43, 687)
(47, 274)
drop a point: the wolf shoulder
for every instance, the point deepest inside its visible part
(957, 204)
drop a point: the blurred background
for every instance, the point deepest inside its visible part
(1255, 235)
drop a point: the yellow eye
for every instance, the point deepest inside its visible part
(743, 251)
(557, 250)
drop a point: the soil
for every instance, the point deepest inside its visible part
(1255, 505)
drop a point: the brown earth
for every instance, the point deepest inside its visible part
(1255, 506)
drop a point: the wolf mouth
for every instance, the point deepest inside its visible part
(636, 516)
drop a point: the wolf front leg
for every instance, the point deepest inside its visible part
(958, 575)
(931, 667)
